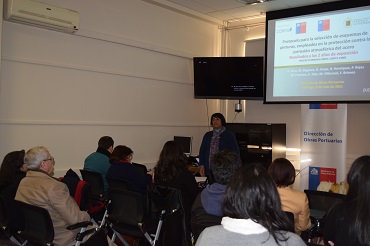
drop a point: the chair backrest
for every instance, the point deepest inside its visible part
(174, 230)
(117, 184)
(321, 200)
(96, 182)
(38, 227)
(290, 217)
(126, 206)
(162, 197)
(142, 168)
(207, 220)
(79, 189)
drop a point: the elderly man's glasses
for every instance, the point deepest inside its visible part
(50, 159)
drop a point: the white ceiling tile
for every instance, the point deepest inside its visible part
(194, 6)
(230, 9)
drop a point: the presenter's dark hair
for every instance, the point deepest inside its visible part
(171, 162)
(224, 164)
(219, 116)
(252, 194)
(282, 172)
(358, 179)
(105, 142)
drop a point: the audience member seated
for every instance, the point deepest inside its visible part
(206, 209)
(348, 223)
(39, 188)
(99, 161)
(13, 170)
(253, 214)
(122, 168)
(283, 173)
(171, 170)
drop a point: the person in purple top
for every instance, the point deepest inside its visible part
(206, 210)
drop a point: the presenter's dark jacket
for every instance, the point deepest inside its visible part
(227, 141)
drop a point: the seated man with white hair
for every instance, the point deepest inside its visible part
(39, 188)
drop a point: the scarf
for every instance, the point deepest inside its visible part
(103, 151)
(215, 143)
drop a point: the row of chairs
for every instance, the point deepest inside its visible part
(140, 217)
(126, 213)
(319, 204)
(37, 227)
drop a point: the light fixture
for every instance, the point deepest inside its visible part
(250, 2)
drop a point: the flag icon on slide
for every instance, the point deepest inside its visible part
(323, 106)
(324, 25)
(300, 28)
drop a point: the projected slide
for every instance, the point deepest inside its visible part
(320, 55)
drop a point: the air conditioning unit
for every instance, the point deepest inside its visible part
(41, 15)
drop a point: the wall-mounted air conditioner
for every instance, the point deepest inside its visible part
(41, 15)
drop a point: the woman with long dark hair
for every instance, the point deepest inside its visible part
(253, 214)
(12, 171)
(171, 171)
(348, 223)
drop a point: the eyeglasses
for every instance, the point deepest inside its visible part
(50, 159)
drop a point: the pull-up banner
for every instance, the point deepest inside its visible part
(323, 140)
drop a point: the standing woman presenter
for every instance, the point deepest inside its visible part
(215, 141)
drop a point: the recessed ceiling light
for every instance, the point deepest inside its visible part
(249, 2)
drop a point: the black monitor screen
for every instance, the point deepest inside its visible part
(184, 143)
(228, 78)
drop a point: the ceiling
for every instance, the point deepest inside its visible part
(231, 10)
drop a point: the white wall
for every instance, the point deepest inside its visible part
(127, 73)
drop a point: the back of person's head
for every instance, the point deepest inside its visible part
(11, 166)
(282, 172)
(252, 194)
(105, 142)
(219, 116)
(35, 156)
(171, 161)
(358, 179)
(120, 153)
(224, 164)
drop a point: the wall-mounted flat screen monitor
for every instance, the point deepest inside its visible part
(184, 143)
(318, 53)
(228, 78)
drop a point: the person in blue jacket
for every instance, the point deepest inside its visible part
(214, 141)
(99, 161)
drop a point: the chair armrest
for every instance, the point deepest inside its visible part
(79, 225)
(82, 234)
